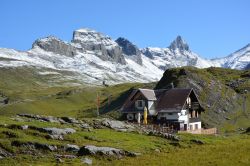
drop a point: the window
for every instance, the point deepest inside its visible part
(191, 127)
(196, 126)
(170, 113)
(140, 104)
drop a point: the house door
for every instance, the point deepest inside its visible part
(185, 126)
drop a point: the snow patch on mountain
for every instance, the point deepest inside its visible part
(92, 57)
(237, 60)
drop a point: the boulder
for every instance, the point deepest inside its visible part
(196, 141)
(34, 145)
(85, 126)
(42, 118)
(4, 153)
(57, 131)
(87, 161)
(72, 148)
(70, 120)
(55, 137)
(24, 127)
(105, 151)
(117, 125)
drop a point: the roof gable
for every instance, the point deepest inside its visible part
(173, 99)
(148, 94)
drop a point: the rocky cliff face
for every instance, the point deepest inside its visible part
(104, 46)
(55, 45)
(179, 44)
(130, 49)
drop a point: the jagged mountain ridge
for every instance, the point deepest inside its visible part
(94, 57)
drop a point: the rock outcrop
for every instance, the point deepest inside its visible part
(105, 151)
(117, 125)
(179, 44)
(55, 45)
(130, 49)
(104, 46)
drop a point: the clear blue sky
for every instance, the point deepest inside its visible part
(213, 28)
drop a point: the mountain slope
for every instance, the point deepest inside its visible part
(221, 92)
(237, 60)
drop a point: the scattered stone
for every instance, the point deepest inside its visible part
(42, 118)
(117, 125)
(157, 151)
(72, 148)
(18, 119)
(241, 129)
(196, 141)
(55, 137)
(70, 120)
(57, 131)
(59, 160)
(34, 145)
(24, 127)
(132, 154)
(87, 161)
(169, 136)
(4, 153)
(105, 151)
(247, 130)
(85, 126)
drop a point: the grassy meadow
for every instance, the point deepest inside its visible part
(215, 150)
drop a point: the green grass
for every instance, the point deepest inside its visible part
(216, 150)
(75, 102)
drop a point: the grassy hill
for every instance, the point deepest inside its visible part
(221, 92)
(214, 150)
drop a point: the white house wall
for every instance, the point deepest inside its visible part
(183, 116)
(193, 124)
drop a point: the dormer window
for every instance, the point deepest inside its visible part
(140, 104)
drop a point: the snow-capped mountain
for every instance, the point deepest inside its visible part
(237, 60)
(92, 57)
(176, 55)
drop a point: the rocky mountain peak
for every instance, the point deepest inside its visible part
(103, 45)
(180, 44)
(55, 45)
(89, 36)
(129, 49)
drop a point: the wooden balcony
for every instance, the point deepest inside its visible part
(195, 105)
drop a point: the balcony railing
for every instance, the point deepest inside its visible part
(195, 105)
